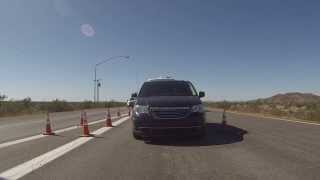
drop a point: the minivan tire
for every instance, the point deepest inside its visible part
(137, 136)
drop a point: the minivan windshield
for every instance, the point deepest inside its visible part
(167, 88)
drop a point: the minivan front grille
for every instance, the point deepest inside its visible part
(170, 112)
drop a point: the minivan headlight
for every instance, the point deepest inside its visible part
(197, 108)
(139, 109)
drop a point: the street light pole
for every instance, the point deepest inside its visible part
(95, 98)
(98, 89)
(95, 84)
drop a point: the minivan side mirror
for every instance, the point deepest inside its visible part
(134, 95)
(202, 94)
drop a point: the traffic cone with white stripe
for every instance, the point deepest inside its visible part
(81, 119)
(118, 113)
(85, 127)
(224, 118)
(108, 119)
(48, 126)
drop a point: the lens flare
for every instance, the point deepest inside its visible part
(87, 30)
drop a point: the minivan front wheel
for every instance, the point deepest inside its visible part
(137, 136)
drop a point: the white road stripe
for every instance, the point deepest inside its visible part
(10, 143)
(6, 144)
(36, 163)
(274, 118)
(293, 121)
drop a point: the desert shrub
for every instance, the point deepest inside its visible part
(306, 111)
(59, 106)
(27, 106)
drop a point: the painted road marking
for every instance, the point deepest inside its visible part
(274, 118)
(11, 143)
(36, 163)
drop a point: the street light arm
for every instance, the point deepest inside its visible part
(96, 96)
(111, 58)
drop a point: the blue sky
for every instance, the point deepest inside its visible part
(234, 50)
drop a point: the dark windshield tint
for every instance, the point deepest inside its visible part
(174, 88)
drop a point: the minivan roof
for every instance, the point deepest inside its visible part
(161, 79)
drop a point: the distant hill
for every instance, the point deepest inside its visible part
(294, 98)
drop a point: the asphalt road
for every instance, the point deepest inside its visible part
(248, 148)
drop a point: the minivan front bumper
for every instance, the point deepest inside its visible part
(148, 126)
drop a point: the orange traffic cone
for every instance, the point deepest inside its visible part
(108, 119)
(118, 113)
(81, 119)
(86, 131)
(48, 126)
(224, 118)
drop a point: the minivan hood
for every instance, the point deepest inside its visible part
(169, 101)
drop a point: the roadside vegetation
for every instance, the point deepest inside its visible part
(285, 106)
(27, 106)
